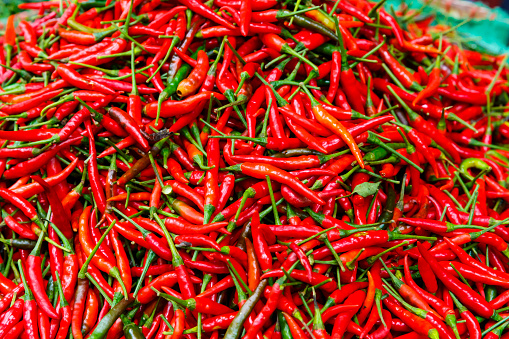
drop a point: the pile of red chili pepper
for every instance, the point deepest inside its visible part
(250, 169)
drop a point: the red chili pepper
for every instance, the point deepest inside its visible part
(336, 127)
(245, 17)
(98, 259)
(59, 215)
(129, 124)
(35, 280)
(193, 81)
(424, 127)
(29, 190)
(172, 108)
(343, 319)
(22, 204)
(29, 104)
(464, 293)
(474, 330)
(9, 38)
(260, 171)
(206, 12)
(431, 88)
(28, 32)
(403, 75)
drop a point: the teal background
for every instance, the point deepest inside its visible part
(488, 33)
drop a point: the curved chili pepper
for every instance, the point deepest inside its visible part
(261, 170)
(191, 83)
(59, 216)
(336, 127)
(76, 80)
(35, 280)
(464, 293)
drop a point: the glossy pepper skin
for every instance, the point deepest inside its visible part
(469, 296)
(259, 170)
(352, 157)
(36, 283)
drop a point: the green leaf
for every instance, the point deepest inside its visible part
(366, 189)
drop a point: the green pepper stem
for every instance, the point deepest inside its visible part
(174, 42)
(372, 138)
(151, 256)
(84, 268)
